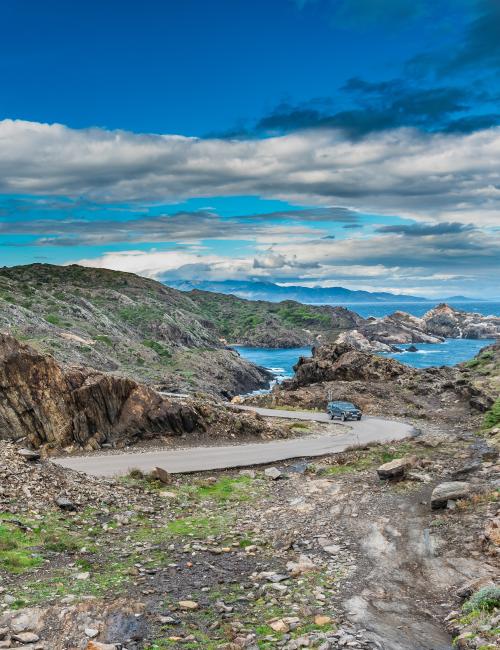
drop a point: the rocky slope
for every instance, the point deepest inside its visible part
(140, 328)
(57, 407)
(327, 556)
(384, 386)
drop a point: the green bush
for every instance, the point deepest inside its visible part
(483, 600)
(53, 319)
(492, 417)
(157, 347)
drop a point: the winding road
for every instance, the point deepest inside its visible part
(195, 459)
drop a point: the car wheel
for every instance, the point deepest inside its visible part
(359, 417)
(332, 417)
(342, 417)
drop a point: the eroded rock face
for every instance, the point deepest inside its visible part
(341, 362)
(59, 407)
(41, 400)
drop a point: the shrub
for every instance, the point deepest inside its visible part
(492, 417)
(484, 600)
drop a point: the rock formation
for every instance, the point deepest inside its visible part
(435, 325)
(48, 404)
(382, 386)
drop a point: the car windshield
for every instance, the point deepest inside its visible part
(344, 405)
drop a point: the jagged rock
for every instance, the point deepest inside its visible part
(26, 637)
(358, 341)
(437, 324)
(29, 454)
(340, 362)
(303, 565)
(451, 491)
(396, 468)
(58, 407)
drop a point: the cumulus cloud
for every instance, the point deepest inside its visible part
(444, 177)
(463, 258)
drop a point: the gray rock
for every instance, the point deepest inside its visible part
(450, 491)
(65, 504)
(273, 472)
(395, 468)
(29, 454)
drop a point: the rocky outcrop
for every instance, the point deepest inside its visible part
(341, 362)
(51, 405)
(437, 324)
(383, 386)
(358, 341)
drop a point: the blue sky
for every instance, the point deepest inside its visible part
(351, 142)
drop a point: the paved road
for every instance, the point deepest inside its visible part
(195, 459)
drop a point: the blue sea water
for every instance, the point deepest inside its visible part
(279, 361)
(448, 353)
(379, 309)
(452, 351)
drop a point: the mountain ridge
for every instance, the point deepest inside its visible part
(270, 291)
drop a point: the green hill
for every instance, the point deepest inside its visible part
(125, 323)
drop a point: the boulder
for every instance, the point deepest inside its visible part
(273, 473)
(450, 491)
(65, 504)
(396, 468)
(161, 475)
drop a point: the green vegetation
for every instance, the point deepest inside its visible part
(160, 349)
(492, 417)
(54, 319)
(484, 600)
(140, 314)
(103, 338)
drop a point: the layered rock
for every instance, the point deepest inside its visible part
(48, 404)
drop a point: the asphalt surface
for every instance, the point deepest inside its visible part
(194, 459)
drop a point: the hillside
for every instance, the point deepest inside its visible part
(121, 322)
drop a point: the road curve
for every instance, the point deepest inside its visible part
(195, 459)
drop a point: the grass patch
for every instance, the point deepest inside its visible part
(103, 338)
(161, 350)
(223, 490)
(54, 319)
(492, 417)
(140, 314)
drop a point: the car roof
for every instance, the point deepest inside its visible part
(343, 404)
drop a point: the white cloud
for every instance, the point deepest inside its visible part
(452, 177)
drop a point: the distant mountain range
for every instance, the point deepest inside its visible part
(311, 295)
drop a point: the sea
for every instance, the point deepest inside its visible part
(452, 351)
